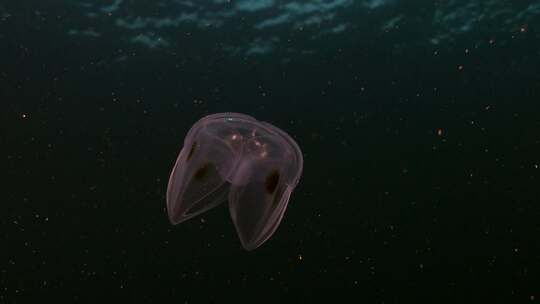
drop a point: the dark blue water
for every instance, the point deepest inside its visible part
(419, 123)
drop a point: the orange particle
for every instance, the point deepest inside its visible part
(439, 132)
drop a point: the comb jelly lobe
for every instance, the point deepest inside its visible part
(233, 157)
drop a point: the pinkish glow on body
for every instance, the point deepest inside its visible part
(231, 156)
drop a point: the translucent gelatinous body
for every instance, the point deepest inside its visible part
(233, 156)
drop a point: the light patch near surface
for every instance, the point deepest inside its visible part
(372, 4)
(281, 19)
(318, 18)
(150, 41)
(254, 5)
(113, 7)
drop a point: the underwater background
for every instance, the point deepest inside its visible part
(418, 120)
